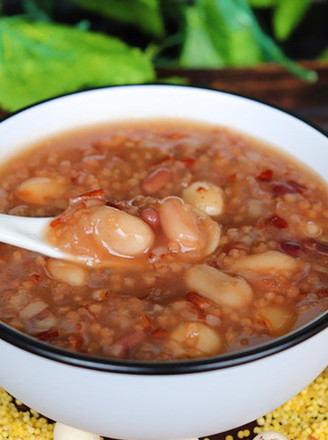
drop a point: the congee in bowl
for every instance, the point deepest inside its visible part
(193, 240)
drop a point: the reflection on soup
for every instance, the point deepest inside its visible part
(193, 240)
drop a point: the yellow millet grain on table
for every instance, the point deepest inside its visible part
(305, 417)
(21, 425)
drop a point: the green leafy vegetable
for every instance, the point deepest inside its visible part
(144, 14)
(288, 15)
(217, 36)
(324, 55)
(39, 60)
(38, 9)
(271, 51)
(198, 49)
(262, 3)
(226, 33)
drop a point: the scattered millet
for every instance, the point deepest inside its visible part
(21, 425)
(305, 417)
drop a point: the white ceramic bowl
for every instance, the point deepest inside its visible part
(145, 401)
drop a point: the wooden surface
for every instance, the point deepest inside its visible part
(272, 84)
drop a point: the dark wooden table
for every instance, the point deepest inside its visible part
(269, 83)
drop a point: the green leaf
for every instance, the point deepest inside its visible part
(39, 60)
(262, 3)
(324, 55)
(179, 80)
(230, 32)
(39, 10)
(273, 52)
(216, 35)
(287, 15)
(198, 49)
(145, 14)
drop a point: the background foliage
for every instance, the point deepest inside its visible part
(50, 47)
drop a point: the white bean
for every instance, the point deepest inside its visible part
(67, 272)
(213, 234)
(121, 233)
(204, 196)
(266, 262)
(219, 286)
(194, 339)
(41, 190)
(277, 319)
(180, 224)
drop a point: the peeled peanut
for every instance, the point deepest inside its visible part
(33, 309)
(277, 319)
(270, 435)
(122, 233)
(267, 262)
(219, 286)
(206, 197)
(41, 190)
(194, 339)
(67, 272)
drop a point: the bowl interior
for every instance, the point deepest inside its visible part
(154, 102)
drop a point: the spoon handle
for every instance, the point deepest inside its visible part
(26, 233)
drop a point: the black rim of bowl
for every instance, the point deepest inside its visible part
(227, 360)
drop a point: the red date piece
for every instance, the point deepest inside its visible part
(145, 322)
(322, 293)
(280, 188)
(276, 221)
(125, 343)
(290, 247)
(90, 198)
(96, 193)
(156, 180)
(298, 187)
(318, 247)
(266, 175)
(159, 333)
(197, 300)
(48, 335)
(57, 221)
(188, 162)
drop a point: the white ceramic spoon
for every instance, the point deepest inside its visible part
(29, 233)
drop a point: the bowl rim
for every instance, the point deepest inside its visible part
(188, 366)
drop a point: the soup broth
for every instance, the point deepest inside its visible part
(193, 240)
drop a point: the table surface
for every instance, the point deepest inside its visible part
(269, 83)
(272, 84)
